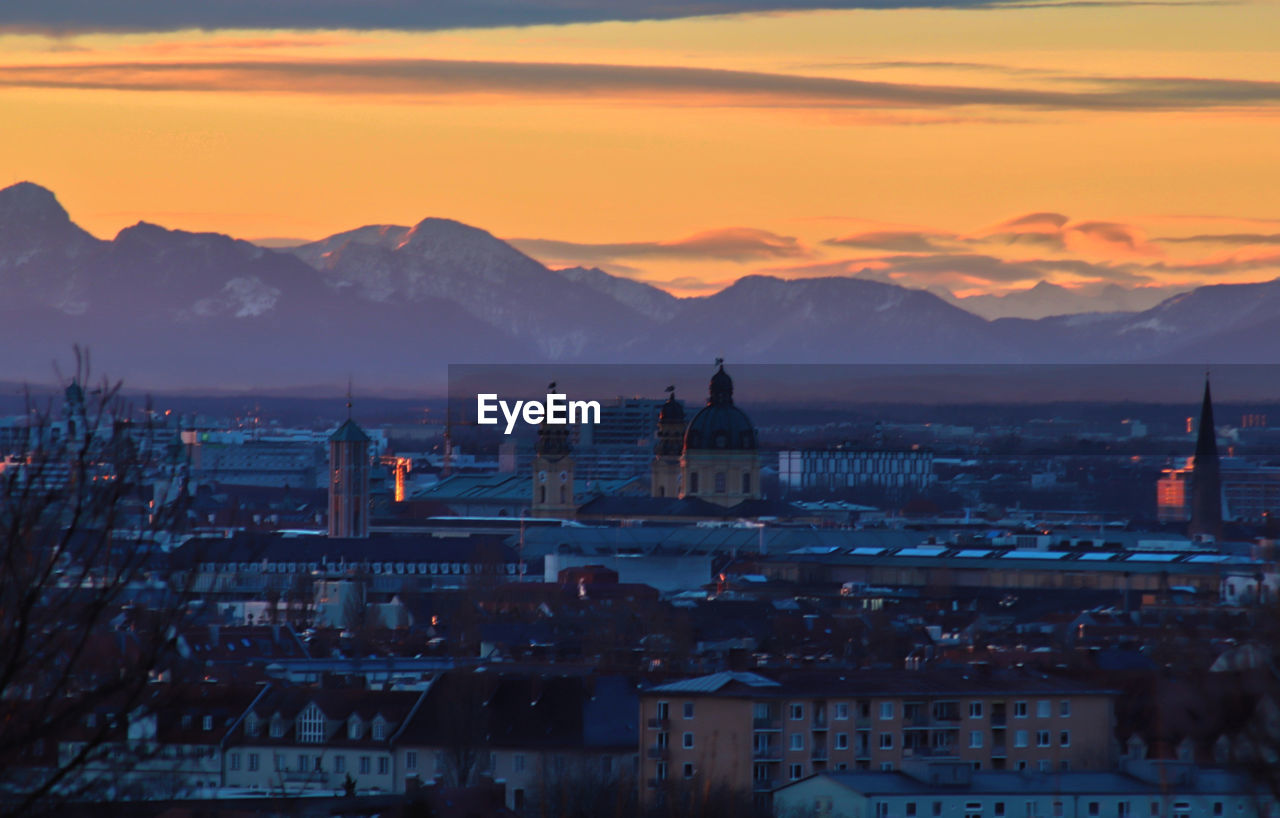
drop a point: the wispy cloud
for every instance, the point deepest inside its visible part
(659, 84)
(62, 16)
(1225, 238)
(734, 244)
(900, 241)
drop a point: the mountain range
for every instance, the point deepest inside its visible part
(391, 306)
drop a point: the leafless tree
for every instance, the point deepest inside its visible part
(86, 619)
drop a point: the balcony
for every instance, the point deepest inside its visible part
(766, 754)
(763, 785)
(820, 723)
(999, 751)
(999, 720)
(819, 753)
(659, 724)
(660, 753)
(766, 724)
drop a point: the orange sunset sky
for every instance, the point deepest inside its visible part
(972, 148)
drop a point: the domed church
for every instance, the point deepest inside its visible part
(719, 458)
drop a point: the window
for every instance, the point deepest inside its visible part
(663, 740)
(1019, 710)
(746, 482)
(411, 760)
(664, 710)
(384, 765)
(797, 772)
(886, 766)
(1155, 809)
(354, 728)
(1044, 709)
(1064, 709)
(797, 712)
(517, 763)
(1031, 809)
(311, 725)
(842, 741)
(693, 483)
(661, 771)
(1020, 738)
(937, 808)
(1043, 765)
(251, 726)
(1122, 809)
(882, 810)
(688, 710)
(975, 738)
(364, 765)
(253, 762)
(688, 771)
(797, 741)
(999, 810)
(319, 763)
(339, 764)
(910, 809)
(207, 723)
(975, 710)
(886, 741)
(687, 742)
(379, 729)
(972, 809)
(721, 483)
(886, 711)
(1217, 808)
(235, 761)
(1064, 738)
(279, 762)
(1095, 809)
(277, 727)
(842, 711)
(1058, 809)
(1042, 738)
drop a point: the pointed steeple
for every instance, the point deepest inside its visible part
(1206, 483)
(1207, 438)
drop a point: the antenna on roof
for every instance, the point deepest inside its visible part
(671, 390)
(719, 361)
(348, 397)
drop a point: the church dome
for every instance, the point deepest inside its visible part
(672, 411)
(720, 425)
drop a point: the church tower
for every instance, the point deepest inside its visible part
(1206, 482)
(666, 479)
(553, 471)
(721, 463)
(76, 416)
(349, 480)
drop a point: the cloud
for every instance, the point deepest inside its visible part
(70, 16)
(1056, 231)
(899, 241)
(596, 82)
(733, 244)
(1225, 238)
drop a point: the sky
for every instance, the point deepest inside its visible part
(971, 148)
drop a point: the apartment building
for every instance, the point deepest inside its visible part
(750, 731)
(954, 790)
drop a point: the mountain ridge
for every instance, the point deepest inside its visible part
(392, 303)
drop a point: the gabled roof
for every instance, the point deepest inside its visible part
(715, 682)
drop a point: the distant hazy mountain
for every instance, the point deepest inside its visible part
(1045, 299)
(391, 306)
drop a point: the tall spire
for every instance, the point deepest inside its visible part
(1206, 483)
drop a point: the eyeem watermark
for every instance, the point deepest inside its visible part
(557, 410)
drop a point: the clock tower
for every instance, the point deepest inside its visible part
(553, 471)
